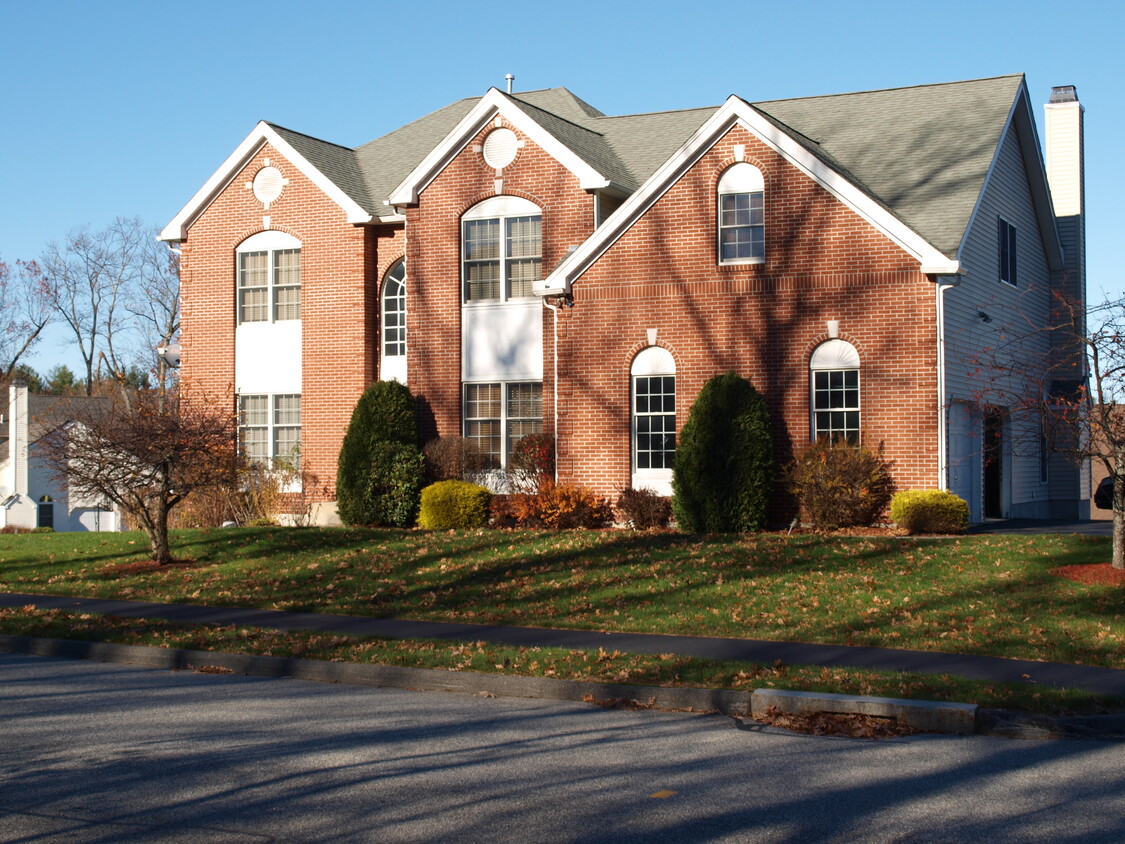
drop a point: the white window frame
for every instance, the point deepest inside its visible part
(1008, 251)
(741, 180)
(835, 356)
(651, 362)
(392, 358)
(273, 245)
(506, 419)
(503, 211)
(273, 425)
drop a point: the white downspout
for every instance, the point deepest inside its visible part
(555, 398)
(943, 412)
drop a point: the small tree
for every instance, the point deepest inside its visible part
(144, 452)
(724, 462)
(379, 476)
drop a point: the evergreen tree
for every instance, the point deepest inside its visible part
(723, 472)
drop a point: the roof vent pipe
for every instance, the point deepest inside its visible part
(510, 79)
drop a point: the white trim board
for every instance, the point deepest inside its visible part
(228, 171)
(736, 111)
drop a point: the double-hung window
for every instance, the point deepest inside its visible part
(742, 230)
(1007, 246)
(501, 249)
(653, 382)
(834, 387)
(269, 278)
(498, 415)
(269, 429)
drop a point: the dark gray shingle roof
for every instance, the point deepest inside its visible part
(922, 152)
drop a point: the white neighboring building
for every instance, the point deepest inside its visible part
(30, 495)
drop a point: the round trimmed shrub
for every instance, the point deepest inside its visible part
(930, 511)
(379, 474)
(454, 504)
(723, 471)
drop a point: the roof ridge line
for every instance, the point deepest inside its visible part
(306, 135)
(885, 90)
(556, 116)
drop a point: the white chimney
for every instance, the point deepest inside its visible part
(1066, 176)
(17, 438)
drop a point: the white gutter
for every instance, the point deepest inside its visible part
(943, 411)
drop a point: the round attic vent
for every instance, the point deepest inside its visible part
(267, 184)
(500, 148)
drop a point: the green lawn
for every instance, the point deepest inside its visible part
(982, 594)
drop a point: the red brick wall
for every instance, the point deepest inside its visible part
(822, 262)
(338, 304)
(434, 270)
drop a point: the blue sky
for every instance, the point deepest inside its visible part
(125, 108)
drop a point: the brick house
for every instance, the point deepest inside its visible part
(524, 262)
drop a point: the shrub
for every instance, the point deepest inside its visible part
(393, 487)
(643, 508)
(380, 465)
(724, 461)
(454, 504)
(502, 510)
(562, 506)
(453, 459)
(841, 485)
(929, 511)
(531, 464)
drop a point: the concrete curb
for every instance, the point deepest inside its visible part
(388, 676)
(725, 701)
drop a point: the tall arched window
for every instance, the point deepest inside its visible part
(834, 389)
(269, 278)
(501, 249)
(653, 376)
(742, 231)
(392, 362)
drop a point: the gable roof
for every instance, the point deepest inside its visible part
(913, 160)
(45, 414)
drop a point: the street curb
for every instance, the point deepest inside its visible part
(724, 701)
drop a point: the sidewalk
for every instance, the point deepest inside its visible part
(1106, 681)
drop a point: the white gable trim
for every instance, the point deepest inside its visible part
(482, 113)
(736, 111)
(263, 134)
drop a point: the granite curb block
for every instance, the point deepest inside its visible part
(930, 716)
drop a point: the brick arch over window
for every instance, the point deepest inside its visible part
(652, 377)
(392, 323)
(834, 397)
(268, 270)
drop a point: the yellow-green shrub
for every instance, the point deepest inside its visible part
(929, 511)
(454, 504)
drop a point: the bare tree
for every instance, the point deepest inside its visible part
(118, 291)
(1076, 391)
(25, 310)
(144, 452)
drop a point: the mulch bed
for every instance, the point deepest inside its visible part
(1092, 574)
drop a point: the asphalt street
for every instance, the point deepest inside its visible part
(106, 752)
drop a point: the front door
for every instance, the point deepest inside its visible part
(993, 464)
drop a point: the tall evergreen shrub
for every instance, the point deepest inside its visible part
(379, 476)
(723, 471)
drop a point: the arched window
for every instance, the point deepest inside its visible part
(742, 232)
(653, 375)
(834, 387)
(501, 249)
(46, 516)
(392, 364)
(269, 278)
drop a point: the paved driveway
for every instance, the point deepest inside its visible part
(94, 752)
(1043, 526)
